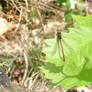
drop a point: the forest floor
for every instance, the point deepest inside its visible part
(24, 24)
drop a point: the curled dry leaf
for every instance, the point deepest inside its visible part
(5, 26)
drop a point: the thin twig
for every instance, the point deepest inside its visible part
(33, 80)
(15, 5)
(26, 4)
(26, 70)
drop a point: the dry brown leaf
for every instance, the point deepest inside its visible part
(5, 26)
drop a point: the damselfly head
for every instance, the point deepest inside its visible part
(59, 35)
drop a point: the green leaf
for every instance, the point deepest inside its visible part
(76, 71)
(79, 7)
(69, 3)
(68, 15)
(61, 1)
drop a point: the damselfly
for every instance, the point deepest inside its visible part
(59, 38)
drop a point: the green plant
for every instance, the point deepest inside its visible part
(77, 70)
(7, 61)
(35, 57)
(68, 3)
(61, 1)
(72, 8)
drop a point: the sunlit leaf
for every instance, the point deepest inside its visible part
(76, 71)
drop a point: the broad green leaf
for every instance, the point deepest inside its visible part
(76, 70)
